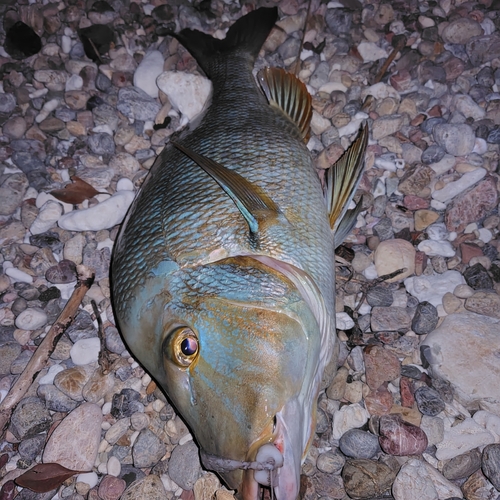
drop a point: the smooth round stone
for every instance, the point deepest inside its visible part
(111, 488)
(356, 443)
(12, 192)
(491, 464)
(149, 449)
(456, 139)
(462, 466)
(89, 478)
(367, 478)
(139, 421)
(425, 318)
(56, 400)
(330, 462)
(433, 428)
(101, 144)
(148, 70)
(85, 351)
(337, 388)
(30, 417)
(461, 30)
(32, 318)
(433, 154)
(114, 466)
(15, 127)
(117, 430)
(477, 277)
(147, 488)
(400, 438)
(429, 401)
(381, 365)
(47, 217)
(348, 417)
(392, 255)
(30, 448)
(72, 381)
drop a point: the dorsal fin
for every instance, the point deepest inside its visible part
(254, 205)
(342, 180)
(287, 93)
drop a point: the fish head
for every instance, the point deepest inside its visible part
(235, 347)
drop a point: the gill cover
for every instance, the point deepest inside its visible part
(231, 343)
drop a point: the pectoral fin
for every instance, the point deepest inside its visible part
(254, 205)
(342, 181)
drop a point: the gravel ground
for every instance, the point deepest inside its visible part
(414, 409)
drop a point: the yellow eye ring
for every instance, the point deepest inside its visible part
(185, 346)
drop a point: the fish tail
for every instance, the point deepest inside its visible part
(245, 36)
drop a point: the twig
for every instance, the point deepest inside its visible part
(46, 348)
(104, 361)
(297, 62)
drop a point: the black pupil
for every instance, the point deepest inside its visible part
(189, 346)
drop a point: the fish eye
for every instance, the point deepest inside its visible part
(184, 345)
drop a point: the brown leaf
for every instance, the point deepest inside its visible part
(44, 477)
(76, 192)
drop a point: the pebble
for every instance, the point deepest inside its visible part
(32, 318)
(456, 139)
(425, 319)
(85, 351)
(136, 104)
(432, 288)
(462, 466)
(367, 478)
(392, 255)
(491, 464)
(148, 488)
(81, 428)
(461, 340)
(113, 466)
(148, 449)
(401, 438)
(72, 381)
(148, 71)
(390, 319)
(111, 488)
(46, 218)
(429, 401)
(356, 443)
(379, 296)
(477, 277)
(348, 417)
(104, 215)
(30, 417)
(454, 188)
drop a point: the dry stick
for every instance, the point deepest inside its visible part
(46, 348)
(297, 62)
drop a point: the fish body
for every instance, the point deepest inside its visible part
(223, 272)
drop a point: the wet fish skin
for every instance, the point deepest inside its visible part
(235, 321)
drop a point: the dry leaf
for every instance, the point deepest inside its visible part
(45, 477)
(76, 192)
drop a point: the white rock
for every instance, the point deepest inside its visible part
(480, 146)
(47, 217)
(114, 466)
(463, 351)
(485, 235)
(66, 44)
(74, 82)
(462, 438)
(66, 289)
(48, 378)
(85, 351)
(433, 247)
(456, 187)
(89, 478)
(349, 417)
(381, 91)
(432, 288)
(353, 126)
(17, 275)
(370, 273)
(392, 255)
(32, 318)
(330, 87)
(489, 421)
(418, 480)
(47, 108)
(186, 92)
(319, 124)
(437, 231)
(148, 71)
(104, 215)
(370, 51)
(343, 321)
(124, 184)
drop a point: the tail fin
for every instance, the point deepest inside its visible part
(247, 34)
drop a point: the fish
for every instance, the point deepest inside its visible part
(223, 273)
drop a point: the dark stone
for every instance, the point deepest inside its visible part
(102, 82)
(82, 327)
(367, 478)
(433, 154)
(63, 272)
(429, 401)
(56, 400)
(425, 319)
(49, 294)
(114, 342)
(130, 474)
(477, 277)
(379, 296)
(28, 292)
(30, 448)
(495, 272)
(462, 466)
(485, 77)
(96, 37)
(49, 239)
(8, 353)
(98, 260)
(491, 464)
(322, 421)
(494, 136)
(479, 93)
(21, 41)
(122, 403)
(427, 70)
(428, 125)
(339, 21)
(356, 443)
(29, 418)
(401, 438)
(7, 104)
(411, 371)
